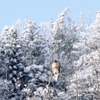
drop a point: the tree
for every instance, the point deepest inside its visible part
(34, 44)
(20, 48)
(62, 35)
(89, 60)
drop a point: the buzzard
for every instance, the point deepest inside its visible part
(55, 67)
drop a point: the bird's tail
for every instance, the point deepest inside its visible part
(56, 76)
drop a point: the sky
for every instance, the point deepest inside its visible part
(43, 10)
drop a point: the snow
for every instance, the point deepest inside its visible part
(84, 73)
(27, 69)
(15, 66)
(40, 67)
(43, 77)
(18, 46)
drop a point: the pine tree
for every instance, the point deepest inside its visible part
(62, 34)
(34, 44)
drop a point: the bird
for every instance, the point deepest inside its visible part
(55, 67)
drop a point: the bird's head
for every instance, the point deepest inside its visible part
(55, 61)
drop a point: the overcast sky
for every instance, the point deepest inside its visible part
(43, 10)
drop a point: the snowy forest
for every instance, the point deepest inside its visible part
(27, 51)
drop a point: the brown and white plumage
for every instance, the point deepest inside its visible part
(56, 69)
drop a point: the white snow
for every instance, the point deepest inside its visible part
(40, 67)
(27, 69)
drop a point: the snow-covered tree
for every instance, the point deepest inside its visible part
(88, 64)
(20, 48)
(89, 38)
(62, 34)
(13, 61)
(33, 44)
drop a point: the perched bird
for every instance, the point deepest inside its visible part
(55, 67)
